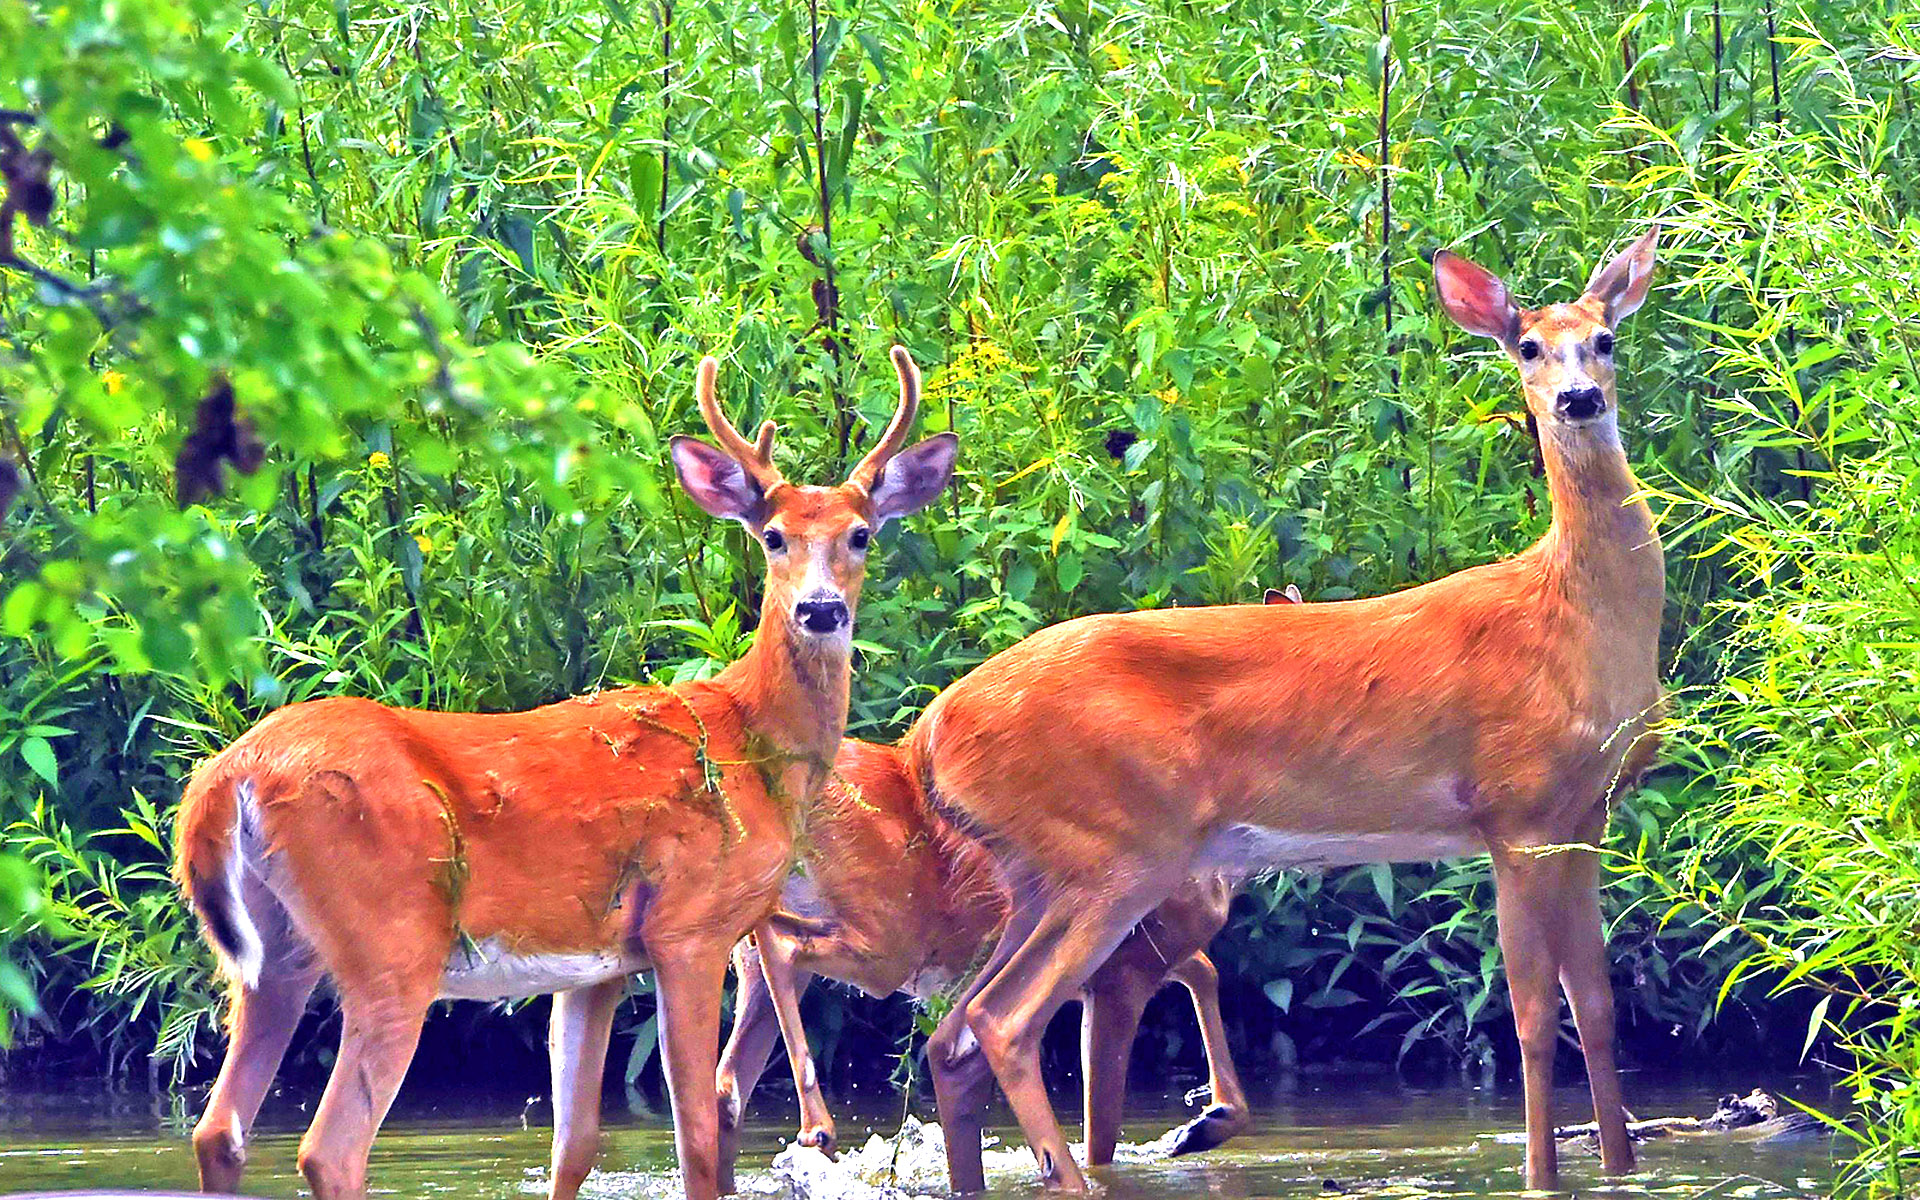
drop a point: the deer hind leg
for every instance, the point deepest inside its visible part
(785, 983)
(689, 979)
(1227, 1116)
(756, 1028)
(1589, 989)
(962, 1077)
(1075, 933)
(263, 1020)
(380, 1027)
(1110, 1012)
(577, 1037)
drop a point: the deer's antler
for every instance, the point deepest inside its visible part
(755, 457)
(868, 469)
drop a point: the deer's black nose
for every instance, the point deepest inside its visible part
(1581, 404)
(822, 616)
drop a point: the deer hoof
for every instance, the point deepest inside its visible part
(821, 1140)
(1205, 1131)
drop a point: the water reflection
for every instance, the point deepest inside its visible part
(1323, 1137)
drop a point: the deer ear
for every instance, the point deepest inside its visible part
(1622, 284)
(1475, 298)
(912, 478)
(719, 485)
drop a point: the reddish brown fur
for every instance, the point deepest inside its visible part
(372, 810)
(905, 902)
(909, 895)
(1108, 758)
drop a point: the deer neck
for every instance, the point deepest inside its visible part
(793, 690)
(1603, 548)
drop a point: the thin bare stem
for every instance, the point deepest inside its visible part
(827, 300)
(666, 118)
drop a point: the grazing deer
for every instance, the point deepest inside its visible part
(1498, 710)
(893, 900)
(890, 900)
(414, 856)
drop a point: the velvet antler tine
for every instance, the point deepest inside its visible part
(895, 438)
(755, 457)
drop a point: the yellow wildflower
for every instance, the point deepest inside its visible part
(1087, 212)
(424, 542)
(198, 149)
(975, 363)
(1227, 162)
(113, 381)
(379, 461)
(1168, 396)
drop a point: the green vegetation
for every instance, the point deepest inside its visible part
(451, 265)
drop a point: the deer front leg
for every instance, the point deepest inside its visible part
(1227, 1115)
(1589, 988)
(577, 1036)
(784, 983)
(1109, 1017)
(1527, 903)
(689, 977)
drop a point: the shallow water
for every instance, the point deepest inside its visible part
(1368, 1134)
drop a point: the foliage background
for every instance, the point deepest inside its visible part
(1164, 266)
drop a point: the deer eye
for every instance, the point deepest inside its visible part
(774, 539)
(1603, 343)
(859, 538)
(1529, 350)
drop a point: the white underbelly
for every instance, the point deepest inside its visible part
(1251, 849)
(488, 971)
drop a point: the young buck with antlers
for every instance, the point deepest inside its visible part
(413, 855)
(892, 900)
(1106, 760)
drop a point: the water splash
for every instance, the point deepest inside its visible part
(909, 1165)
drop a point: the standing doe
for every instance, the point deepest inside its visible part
(1106, 760)
(412, 855)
